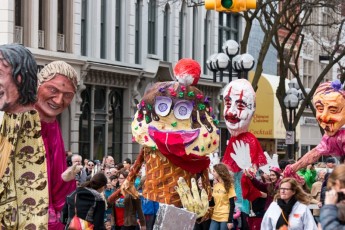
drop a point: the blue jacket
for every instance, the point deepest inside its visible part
(149, 207)
(329, 218)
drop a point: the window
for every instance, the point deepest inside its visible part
(61, 16)
(118, 30)
(18, 21)
(207, 24)
(152, 27)
(195, 32)
(328, 76)
(181, 30)
(166, 32)
(103, 33)
(18, 13)
(308, 73)
(138, 19)
(41, 21)
(83, 37)
(106, 126)
(61, 39)
(228, 28)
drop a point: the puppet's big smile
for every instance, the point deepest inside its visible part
(173, 142)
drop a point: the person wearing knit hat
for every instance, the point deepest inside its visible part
(57, 85)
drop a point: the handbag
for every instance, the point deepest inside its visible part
(79, 223)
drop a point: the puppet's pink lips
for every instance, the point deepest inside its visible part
(173, 142)
(232, 119)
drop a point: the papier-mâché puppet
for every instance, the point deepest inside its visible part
(174, 127)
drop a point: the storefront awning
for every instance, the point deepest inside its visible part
(267, 121)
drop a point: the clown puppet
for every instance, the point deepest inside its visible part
(243, 150)
(174, 127)
(329, 102)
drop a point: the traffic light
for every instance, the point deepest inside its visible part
(230, 5)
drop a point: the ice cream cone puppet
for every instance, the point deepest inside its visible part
(243, 150)
(174, 126)
(329, 102)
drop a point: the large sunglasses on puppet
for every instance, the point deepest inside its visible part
(175, 119)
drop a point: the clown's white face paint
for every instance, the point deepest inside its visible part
(239, 106)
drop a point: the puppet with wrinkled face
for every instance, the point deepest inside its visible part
(330, 107)
(329, 102)
(174, 126)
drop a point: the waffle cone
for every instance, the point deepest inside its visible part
(161, 178)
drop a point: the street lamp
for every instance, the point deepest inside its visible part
(230, 48)
(217, 62)
(210, 65)
(230, 60)
(247, 63)
(222, 62)
(236, 65)
(291, 102)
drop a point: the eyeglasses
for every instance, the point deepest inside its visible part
(285, 189)
(91, 165)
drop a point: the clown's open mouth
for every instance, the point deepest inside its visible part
(232, 119)
(173, 142)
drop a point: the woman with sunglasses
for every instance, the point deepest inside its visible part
(289, 210)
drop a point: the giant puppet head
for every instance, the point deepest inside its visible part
(329, 101)
(239, 106)
(174, 117)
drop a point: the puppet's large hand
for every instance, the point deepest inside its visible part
(271, 162)
(194, 203)
(242, 154)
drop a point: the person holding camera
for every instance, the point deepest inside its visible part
(333, 212)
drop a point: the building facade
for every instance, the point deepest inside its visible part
(119, 48)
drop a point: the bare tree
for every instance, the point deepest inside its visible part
(285, 25)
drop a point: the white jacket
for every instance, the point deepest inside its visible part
(300, 217)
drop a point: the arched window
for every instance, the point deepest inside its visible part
(100, 125)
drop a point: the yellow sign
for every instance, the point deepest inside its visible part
(267, 120)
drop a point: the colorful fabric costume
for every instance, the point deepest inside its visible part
(333, 144)
(23, 186)
(56, 164)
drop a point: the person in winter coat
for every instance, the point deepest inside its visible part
(333, 212)
(89, 202)
(289, 209)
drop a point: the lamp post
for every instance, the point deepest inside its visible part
(291, 102)
(230, 60)
(230, 48)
